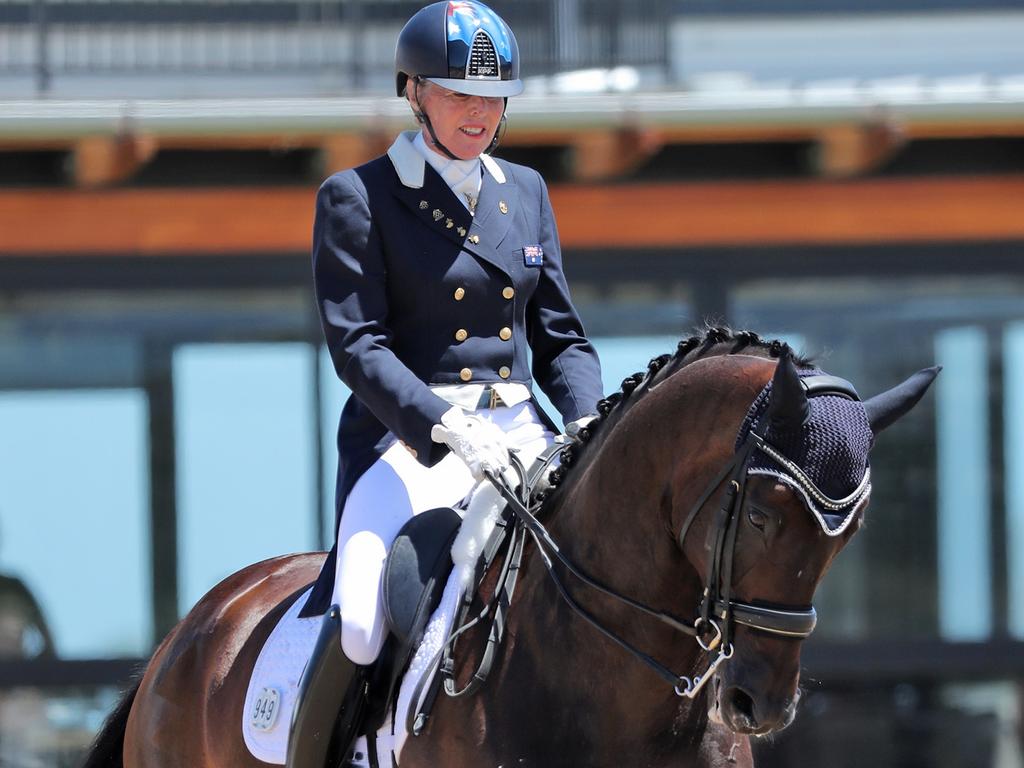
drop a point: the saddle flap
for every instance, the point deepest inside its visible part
(416, 571)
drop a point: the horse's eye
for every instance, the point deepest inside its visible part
(757, 518)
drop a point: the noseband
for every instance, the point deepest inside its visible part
(717, 613)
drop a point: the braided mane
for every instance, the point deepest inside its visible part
(709, 342)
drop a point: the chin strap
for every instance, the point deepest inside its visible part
(498, 134)
(423, 119)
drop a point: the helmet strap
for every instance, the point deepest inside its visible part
(500, 133)
(424, 119)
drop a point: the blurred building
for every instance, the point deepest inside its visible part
(846, 175)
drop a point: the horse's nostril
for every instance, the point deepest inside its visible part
(742, 705)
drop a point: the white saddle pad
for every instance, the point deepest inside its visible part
(273, 688)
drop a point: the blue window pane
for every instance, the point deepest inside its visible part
(1013, 387)
(244, 417)
(74, 515)
(962, 475)
(621, 356)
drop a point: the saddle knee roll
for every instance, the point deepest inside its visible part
(417, 570)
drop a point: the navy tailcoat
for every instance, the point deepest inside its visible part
(414, 291)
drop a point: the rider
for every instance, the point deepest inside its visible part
(438, 275)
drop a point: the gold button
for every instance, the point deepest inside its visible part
(461, 335)
(474, 239)
(465, 374)
(505, 334)
(460, 293)
(508, 292)
(504, 372)
(503, 206)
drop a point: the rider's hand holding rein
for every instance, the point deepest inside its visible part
(479, 443)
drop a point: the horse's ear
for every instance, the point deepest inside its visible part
(789, 410)
(887, 407)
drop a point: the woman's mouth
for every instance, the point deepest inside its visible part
(475, 132)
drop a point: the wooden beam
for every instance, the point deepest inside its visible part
(279, 220)
(791, 212)
(150, 222)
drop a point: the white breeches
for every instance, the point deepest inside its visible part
(393, 490)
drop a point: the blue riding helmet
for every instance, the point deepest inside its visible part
(461, 45)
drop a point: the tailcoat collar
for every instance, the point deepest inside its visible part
(432, 201)
(411, 167)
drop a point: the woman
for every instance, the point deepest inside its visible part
(438, 273)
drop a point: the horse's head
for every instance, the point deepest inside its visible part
(764, 531)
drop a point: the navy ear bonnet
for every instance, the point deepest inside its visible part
(825, 459)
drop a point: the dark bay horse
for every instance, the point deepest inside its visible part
(716, 488)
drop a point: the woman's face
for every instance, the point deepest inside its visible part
(464, 124)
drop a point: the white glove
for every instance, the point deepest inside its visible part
(480, 444)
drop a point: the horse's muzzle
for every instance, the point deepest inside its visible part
(744, 712)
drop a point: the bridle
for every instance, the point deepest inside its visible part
(718, 612)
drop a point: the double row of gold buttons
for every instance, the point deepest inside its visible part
(508, 293)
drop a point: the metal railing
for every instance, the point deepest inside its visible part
(344, 43)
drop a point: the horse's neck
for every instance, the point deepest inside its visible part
(620, 519)
(616, 521)
(615, 525)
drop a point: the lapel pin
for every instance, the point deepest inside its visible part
(474, 239)
(448, 223)
(424, 205)
(461, 231)
(438, 214)
(503, 206)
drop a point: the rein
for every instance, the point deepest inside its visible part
(712, 628)
(717, 613)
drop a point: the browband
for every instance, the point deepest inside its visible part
(824, 384)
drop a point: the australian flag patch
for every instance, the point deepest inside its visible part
(533, 255)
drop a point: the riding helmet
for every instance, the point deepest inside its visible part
(461, 45)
